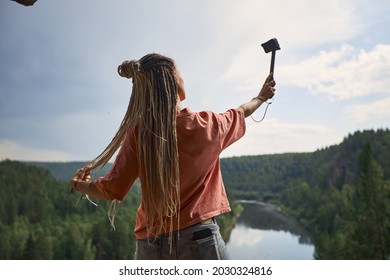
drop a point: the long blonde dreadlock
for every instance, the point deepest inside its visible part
(152, 111)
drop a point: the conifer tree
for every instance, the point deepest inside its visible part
(371, 210)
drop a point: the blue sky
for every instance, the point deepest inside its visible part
(61, 98)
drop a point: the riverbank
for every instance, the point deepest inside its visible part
(228, 221)
(269, 206)
(283, 216)
(263, 231)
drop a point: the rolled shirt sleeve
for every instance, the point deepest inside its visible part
(124, 171)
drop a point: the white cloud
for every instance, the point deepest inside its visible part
(245, 237)
(303, 23)
(298, 25)
(14, 151)
(343, 73)
(376, 110)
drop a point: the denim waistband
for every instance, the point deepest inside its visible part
(188, 231)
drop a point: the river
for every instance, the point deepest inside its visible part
(263, 232)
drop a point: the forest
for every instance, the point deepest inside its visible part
(340, 194)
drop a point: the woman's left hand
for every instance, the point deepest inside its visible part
(83, 174)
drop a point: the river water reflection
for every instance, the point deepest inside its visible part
(264, 233)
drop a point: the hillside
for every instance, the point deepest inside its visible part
(265, 177)
(341, 194)
(41, 219)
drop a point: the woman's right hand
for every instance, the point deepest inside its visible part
(268, 89)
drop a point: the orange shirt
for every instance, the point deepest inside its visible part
(201, 136)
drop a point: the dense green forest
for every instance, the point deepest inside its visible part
(41, 219)
(341, 194)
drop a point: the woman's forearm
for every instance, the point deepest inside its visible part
(252, 106)
(88, 188)
(267, 91)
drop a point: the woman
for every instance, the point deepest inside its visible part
(175, 154)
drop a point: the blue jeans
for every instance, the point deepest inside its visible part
(202, 241)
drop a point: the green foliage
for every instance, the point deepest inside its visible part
(41, 219)
(227, 221)
(364, 228)
(371, 210)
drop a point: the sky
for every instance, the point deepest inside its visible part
(61, 98)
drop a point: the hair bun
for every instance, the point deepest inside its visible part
(129, 68)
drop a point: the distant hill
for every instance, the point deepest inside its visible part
(64, 170)
(264, 177)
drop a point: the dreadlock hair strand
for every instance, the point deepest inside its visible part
(152, 112)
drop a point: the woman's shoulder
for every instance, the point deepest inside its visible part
(186, 112)
(203, 119)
